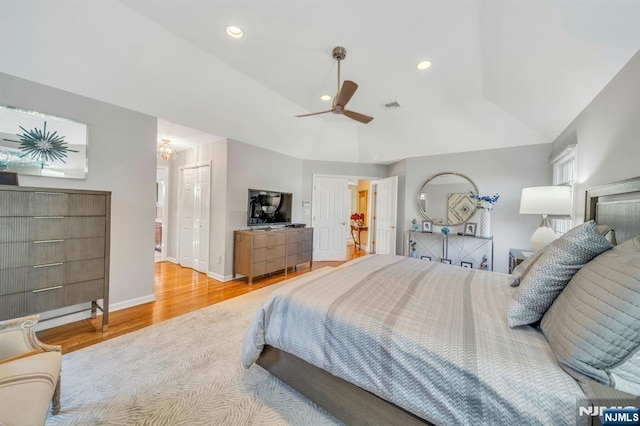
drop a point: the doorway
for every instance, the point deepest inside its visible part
(336, 199)
(161, 222)
(194, 212)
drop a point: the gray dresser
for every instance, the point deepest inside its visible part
(54, 250)
(262, 252)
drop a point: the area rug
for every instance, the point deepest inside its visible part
(184, 371)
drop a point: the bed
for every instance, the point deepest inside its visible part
(396, 340)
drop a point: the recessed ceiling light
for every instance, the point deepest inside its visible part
(325, 97)
(423, 65)
(234, 31)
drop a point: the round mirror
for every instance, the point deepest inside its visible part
(445, 199)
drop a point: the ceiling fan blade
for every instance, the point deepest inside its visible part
(357, 116)
(347, 91)
(313, 113)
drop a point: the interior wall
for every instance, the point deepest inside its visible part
(607, 133)
(121, 159)
(249, 166)
(504, 171)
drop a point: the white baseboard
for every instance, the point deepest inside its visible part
(223, 278)
(172, 260)
(132, 302)
(59, 317)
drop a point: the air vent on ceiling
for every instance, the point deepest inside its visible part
(391, 105)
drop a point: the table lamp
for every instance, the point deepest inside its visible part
(545, 200)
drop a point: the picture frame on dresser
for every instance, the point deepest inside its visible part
(426, 226)
(470, 228)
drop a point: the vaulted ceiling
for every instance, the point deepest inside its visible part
(505, 73)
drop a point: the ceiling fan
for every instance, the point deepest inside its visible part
(344, 94)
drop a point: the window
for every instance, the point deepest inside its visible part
(564, 173)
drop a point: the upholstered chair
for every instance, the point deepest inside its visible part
(29, 374)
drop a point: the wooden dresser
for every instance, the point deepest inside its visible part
(261, 252)
(54, 250)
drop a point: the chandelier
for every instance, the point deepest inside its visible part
(166, 151)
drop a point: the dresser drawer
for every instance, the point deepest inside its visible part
(294, 259)
(87, 205)
(84, 292)
(44, 252)
(294, 235)
(266, 253)
(19, 229)
(264, 239)
(15, 255)
(86, 227)
(266, 266)
(30, 302)
(27, 278)
(37, 203)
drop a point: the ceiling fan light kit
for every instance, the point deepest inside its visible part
(343, 95)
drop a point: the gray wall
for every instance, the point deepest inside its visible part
(607, 133)
(121, 158)
(504, 171)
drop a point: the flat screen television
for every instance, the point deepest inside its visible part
(269, 208)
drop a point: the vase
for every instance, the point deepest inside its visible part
(485, 223)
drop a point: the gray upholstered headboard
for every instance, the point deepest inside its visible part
(616, 205)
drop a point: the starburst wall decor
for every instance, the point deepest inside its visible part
(43, 146)
(33, 143)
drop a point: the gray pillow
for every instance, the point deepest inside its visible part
(520, 271)
(523, 269)
(593, 327)
(554, 268)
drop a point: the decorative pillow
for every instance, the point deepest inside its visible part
(549, 275)
(608, 233)
(520, 271)
(593, 327)
(523, 269)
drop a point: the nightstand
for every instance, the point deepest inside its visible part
(516, 257)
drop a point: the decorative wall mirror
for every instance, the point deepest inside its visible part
(32, 143)
(445, 199)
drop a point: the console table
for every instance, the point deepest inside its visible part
(452, 247)
(261, 252)
(358, 229)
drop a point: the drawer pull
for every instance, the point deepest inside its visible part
(47, 241)
(48, 217)
(270, 260)
(47, 289)
(49, 193)
(46, 265)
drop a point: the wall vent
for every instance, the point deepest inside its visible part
(391, 105)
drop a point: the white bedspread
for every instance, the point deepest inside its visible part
(429, 337)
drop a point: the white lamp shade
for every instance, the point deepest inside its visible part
(546, 200)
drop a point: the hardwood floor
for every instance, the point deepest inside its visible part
(178, 290)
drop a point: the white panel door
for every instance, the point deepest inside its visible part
(201, 219)
(386, 212)
(186, 217)
(194, 218)
(331, 205)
